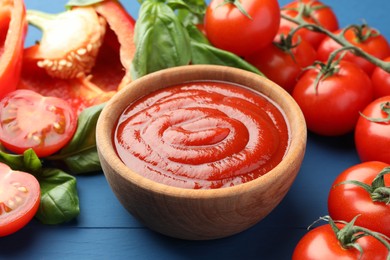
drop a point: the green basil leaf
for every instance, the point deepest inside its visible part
(80, 156)
(191, 12)
(161, 40)
(59, 197)
(72, 3)
(205, 53)
(26, 162)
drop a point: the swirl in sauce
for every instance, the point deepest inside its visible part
(202, 135)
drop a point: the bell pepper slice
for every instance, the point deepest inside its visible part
(13, 29)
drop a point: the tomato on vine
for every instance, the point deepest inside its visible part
(313, 12)
(363, 189)
(284, 60)
(381, 81)
(342, 240)
(242, 27)
(372, 138)
(332, 95)
(364, 37)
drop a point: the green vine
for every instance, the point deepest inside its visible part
(339, 38)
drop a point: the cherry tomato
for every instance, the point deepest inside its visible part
(315, 12)
(284, 65)
(372, 139)
(13, 28)
(29, 120)
(230, 29)
(321, 243)
(19, 199)
(346, 201)
(381, 81)
(366, 38)
(332, 108)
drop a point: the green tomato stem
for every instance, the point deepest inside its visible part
(340, 39)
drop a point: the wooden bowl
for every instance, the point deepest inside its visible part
(199, 214)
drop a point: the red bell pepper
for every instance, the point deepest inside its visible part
(13, 29)
(110, 71)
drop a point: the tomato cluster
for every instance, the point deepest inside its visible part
(334, 75)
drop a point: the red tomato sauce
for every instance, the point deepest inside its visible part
(202, 135)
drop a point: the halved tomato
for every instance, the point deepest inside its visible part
(29, 120)
(19, 199)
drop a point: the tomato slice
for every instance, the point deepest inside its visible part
(29, 120)
(19, 199)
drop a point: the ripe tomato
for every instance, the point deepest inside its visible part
(332, 108)
(229, 29)
(321, 243)
(284, 65)
(315, 12)
(372, 139)
(19, 199)
(367, 39)
(346, 201)
(381, 81)
(29, 120)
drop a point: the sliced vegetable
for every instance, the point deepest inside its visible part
(19, 199)
(29, 120)
(13, 28)
(70, 42)
(59, 198)
(110, 70)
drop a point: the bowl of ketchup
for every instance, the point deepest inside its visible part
(201, 152)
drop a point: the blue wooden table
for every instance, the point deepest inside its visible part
(104, 230)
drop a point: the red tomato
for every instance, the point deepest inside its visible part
(13, 28)
(381, 81)
(29, 120)
(372, 139)
(284, 66)
(312, 14)
(229, 29)
(369, 40)
(321, 243)
(346, 201)
(19, 199)
(332, 108)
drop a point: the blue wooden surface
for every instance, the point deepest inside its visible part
(104, 230)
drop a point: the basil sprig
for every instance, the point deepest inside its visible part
(166, 36)
(59, 197)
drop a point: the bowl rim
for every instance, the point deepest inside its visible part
(104, 135)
